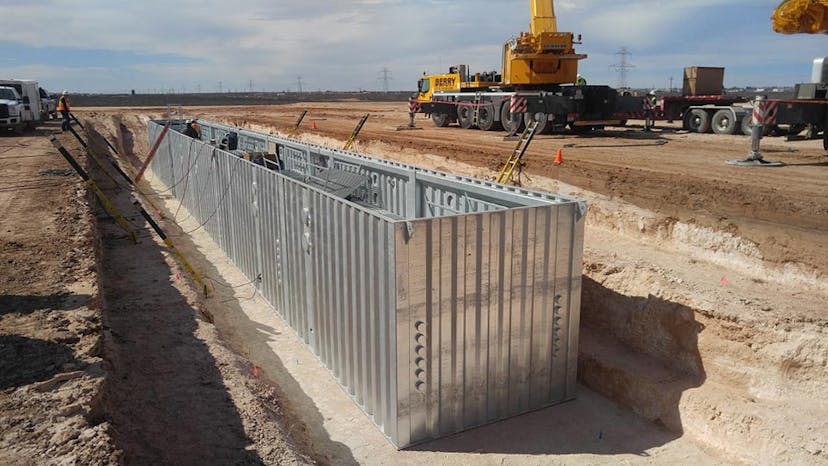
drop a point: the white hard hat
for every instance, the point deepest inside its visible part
(65, 93)
(653, 92)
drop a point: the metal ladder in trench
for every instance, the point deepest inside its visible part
(513, 162)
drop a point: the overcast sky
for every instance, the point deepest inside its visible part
(113, 46)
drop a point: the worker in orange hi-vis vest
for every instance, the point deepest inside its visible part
(63, 108)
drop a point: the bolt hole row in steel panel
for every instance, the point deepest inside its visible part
(439, 303)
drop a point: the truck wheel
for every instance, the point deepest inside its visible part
(486, 119)
(724, 122)
(747, 124)
(440, 120)
(464, 116)
(541, 118)
(698, 121)
(512, 122)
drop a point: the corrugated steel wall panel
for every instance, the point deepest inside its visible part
(451, 304)
(488, 322)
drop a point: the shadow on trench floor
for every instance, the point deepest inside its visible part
(165, 396)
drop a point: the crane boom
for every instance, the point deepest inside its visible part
(543, 17)
(801, 16)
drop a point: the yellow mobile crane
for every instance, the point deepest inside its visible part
(538, 82)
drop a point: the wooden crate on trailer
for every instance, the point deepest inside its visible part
(703, 80)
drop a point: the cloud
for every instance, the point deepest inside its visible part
(344, 44)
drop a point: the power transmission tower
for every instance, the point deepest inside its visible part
(250, 85)
(299, 81)
(623, 66)
(219, 87)
(386, 76)
(671, 84)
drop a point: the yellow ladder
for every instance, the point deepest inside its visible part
(513, 162)
(354, 135)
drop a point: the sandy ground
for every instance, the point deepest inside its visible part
(703, 316)
(51, 369)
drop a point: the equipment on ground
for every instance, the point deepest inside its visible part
(762, 112)
(105, 202)
(536, 83)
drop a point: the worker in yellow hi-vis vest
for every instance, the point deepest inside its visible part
(63, 108)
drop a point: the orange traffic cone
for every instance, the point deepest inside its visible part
(313, 125)
(558, 157)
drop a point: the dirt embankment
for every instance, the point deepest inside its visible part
(51, 366)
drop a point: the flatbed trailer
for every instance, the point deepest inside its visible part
(579, 107)
(733, 114)
(700, 113)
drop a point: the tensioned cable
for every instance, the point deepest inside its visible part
(200, 194)
(187, 183)
(219, 203)
(186, 175)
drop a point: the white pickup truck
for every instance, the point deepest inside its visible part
(11, 110)
(48, 105)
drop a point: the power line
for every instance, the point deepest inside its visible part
(623, 67)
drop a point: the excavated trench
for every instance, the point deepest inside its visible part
(687, 326)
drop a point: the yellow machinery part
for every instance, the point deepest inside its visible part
(801, 16)
(543, 17)
(542, 56)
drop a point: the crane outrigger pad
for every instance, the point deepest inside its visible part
(755, 163)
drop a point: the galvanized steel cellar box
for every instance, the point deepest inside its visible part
(439, 302)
